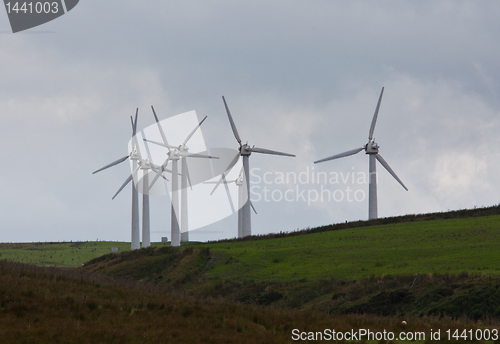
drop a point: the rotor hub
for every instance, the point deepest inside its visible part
(372, 147)
(245, 149)
(145, 164)
(173, 154)
(134, 155)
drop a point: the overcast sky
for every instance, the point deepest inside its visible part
(301, 77)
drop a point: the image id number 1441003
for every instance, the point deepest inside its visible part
(479, 334)
(32, 7)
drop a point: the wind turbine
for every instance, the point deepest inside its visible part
(240, 182)
(134, 156)
(174, 154)
(245, 151)
(137, 163)
(371, 148)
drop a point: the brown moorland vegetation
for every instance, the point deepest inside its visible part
(51, 305)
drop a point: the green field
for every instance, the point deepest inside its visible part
(438, 246)
(65, 254)
(356, 270)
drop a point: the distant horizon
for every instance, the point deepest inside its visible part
(270, 233)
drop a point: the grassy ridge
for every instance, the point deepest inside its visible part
(343, 271)
(438, 246)
(392, 245)
(435, 246)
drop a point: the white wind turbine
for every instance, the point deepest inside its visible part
(245, 151)
(240, 182)
(137, 163)
(371, 148)
(174, 154)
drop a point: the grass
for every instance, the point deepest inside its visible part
(429, 243)
(258, 289)
(341, 271)
(65, 254)
(437, 246)
(48, 305)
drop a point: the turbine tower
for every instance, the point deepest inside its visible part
(244, 151)
(174, 154)
(240, 182)
(371, 148)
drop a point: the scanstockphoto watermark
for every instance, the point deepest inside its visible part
(309, 186)
(361, 334)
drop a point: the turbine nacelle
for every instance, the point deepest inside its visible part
(372, 147)
(134, 155)
(174, 154)
(245, 149)
(183, 148)
(145, 164)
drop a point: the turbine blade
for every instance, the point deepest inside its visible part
(135, 122)
(155, 169)
(133, 125)
(341, 155)
(159, 173)
(267, 151)
(112, 164)
(123, 185)
(251, 204)
(196, 155)
(155, 142)
(136, 170)
(194, 130)
(228, 193)
(233, 126)
(374, 120)
(228, 169)
(164, 138)
(389, 169)
(150, 158)
(135, 144)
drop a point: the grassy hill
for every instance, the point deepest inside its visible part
(437, 270)
(448, 242)
(427, 247)
(452, 263)
(436, 246)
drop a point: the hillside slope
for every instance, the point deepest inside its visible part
(342, 271)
